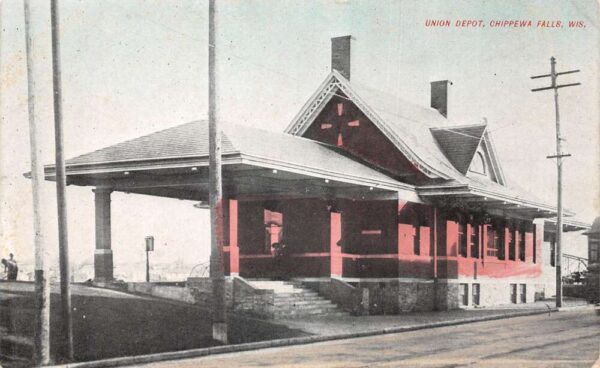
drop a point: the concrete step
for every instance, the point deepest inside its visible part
(307, 309)
(277, 286)
(291, 300)
(316, 313)
(297, 294)
(302, 303)
(298, 298)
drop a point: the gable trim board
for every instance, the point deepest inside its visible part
(323, 95)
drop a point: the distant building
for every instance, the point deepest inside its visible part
(362, 187)
(593, 279)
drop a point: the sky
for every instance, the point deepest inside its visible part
(131, 67)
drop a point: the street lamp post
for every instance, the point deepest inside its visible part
(149, 248)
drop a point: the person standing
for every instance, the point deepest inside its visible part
(10, 267)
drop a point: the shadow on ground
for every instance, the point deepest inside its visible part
(105, 327)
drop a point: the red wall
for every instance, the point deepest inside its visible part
(453, 264)
(364, 141)
(377, 240)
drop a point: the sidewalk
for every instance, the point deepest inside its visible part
(328, 326)
(128, 326)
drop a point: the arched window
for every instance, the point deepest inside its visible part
(478, 164)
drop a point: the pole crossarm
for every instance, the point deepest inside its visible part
(549, 75)
(559, 156)
(556, 87)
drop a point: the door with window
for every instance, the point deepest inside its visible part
(464, 294)
(513, 293)
(523, 293)
(476, 298)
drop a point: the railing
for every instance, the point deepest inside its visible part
(578, 261)
(202, 270)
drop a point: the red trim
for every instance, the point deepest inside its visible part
(336, 263)
(366, 256)
(435, 243)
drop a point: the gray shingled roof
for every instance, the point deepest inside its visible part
(186, 140)
(415, 130)
(190, 140)
(410, 124)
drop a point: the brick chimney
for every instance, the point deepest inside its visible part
(340, 55)
(439, 96)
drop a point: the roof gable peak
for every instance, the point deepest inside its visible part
(335, 82)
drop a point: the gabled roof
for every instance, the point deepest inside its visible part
(459, 144)
(408, 126)
(405, 124)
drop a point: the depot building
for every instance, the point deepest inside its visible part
(362, 188)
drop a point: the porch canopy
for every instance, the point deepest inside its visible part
(174, 163)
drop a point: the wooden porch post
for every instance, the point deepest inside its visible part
(334, 248)
(234, 250)
(103, 257)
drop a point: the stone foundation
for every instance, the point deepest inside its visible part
(201, 290)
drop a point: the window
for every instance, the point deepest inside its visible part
(522, 245)
(511, 244)
(475, 241)
(500, 243)
(464, 294)
(462, 239)
(513, 293)
(594, 256)
(273, 228)
(417, 237)
(478, 164)
(492, 242)
(523, 293)
(476, 289)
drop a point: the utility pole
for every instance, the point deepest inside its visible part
(41, 339)
(219, 313)
(61, 184)
(558, 156)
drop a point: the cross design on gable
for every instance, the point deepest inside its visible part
(340, 122)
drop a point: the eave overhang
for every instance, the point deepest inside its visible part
(490, 199)
(252, 168)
